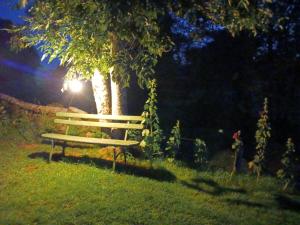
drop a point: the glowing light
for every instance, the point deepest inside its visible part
(73, 85)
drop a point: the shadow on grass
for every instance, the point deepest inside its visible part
(72, 145)
(159, 174)
(245, 203)
(210, 187)
(288, 203)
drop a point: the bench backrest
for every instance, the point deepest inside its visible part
(102, 121)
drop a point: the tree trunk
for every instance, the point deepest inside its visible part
(118, 93)
(118, 98)
(101, 92)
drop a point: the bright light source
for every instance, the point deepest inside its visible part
(73, 85)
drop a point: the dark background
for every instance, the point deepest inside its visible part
(213, 87)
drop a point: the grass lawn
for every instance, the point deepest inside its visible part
(83, 190)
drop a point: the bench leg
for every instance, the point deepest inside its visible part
(115, 158)
(125, 155)
(51, 151)
(64, 148)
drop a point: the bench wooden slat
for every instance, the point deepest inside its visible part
(99, 116)
(114, 142)
(95, 120)
(99, 124)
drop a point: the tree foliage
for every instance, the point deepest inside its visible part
(282, 38)
(238, 15)
(82, 33)
(234, 15)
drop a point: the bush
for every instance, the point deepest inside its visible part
(45, 123)
(134, 135)
(173, 143)
(100, 134)
(200, 153)
(152, 134)
(288, 171)
(4, 119)
(262, 136)
(238, 148)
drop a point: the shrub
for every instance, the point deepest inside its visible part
(4, 119)
(99, 134)
(25, 126)
(173, 143)
(262, 136)
(152, 134)
(238, 148)
(45, 123)
(200, 153)
(134, 135)
(288, 172)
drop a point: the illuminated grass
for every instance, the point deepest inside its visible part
(83, 190)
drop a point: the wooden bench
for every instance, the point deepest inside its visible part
(96, 120)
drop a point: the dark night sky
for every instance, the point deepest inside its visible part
(8, 11)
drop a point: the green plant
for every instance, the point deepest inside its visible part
(25, 127)
(100, 134)
(45, 123)
(3, 114)
(287, 172)
(173, 143)
(152, 134)
(4, 120)
(262, 136)
(237, 146)
(134, 135)
(200, 153)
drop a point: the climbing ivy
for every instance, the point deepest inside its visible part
(262, 136)
(152, 134)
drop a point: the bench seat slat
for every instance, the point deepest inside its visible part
(99, 116)
(89, 140)
(99, 124)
